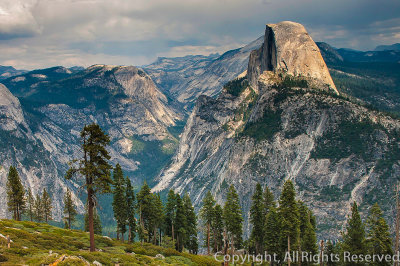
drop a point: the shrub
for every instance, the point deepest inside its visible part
(3, 258)
(236, 86)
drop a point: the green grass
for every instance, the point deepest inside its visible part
(33, 243)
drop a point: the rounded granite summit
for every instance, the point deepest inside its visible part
(288, 46)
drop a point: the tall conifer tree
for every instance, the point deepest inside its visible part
(308, 237)
(257, 219)
(206, 215)
(217, 228)
(119, 201)
(38, 209)
(170, 213)
(191, 225)
(269, 200)
(95, 168)
(354, 238)
(130, 208)
(378, 238)
(180, 223)
(30, 205)
(289, 216)
(144, 207)
(233, 219)
(16, 201)
(69, 209)
(272, 233)
(46, 206)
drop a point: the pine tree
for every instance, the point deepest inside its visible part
(69, 209)
(289, 216)
(170, 213)
(206, 215)
(144, 202)
(94, 167)
(354, 238)
(272, 232)
(156, 217)
(217, 226)
(378, 238)
(308, 237)
(119, 201)
(269, 200)
(191, 225)
(97, 227)
(330, 252)
(46, 206)
(233, 219)
(15, 194)
(38, 209)
(130, 208)
(180, 223)
(30, 205)
(257, 219)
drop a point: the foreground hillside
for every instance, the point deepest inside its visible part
(42, 244)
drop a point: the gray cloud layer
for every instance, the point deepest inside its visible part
(41, 33)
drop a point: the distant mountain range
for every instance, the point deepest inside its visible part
(393, 47)
(9, 71)
(373, 77)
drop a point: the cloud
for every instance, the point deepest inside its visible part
(136, 32)
(17, 20)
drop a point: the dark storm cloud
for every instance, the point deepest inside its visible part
(84, 32)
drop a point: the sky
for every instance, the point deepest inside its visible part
(44, 33)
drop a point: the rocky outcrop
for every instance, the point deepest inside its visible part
(10, 110)
(288, 47)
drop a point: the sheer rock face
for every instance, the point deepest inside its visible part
(10, 110)
(289, 48)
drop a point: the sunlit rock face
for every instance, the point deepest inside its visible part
(288, 47)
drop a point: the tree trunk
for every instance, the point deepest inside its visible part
(215, 241)
(321, 263)
(173, 237)
(232, 245)
(155, 235)
(208, 239)
(69, 221)
(91, 225)
(225, 248)
(288, 241)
